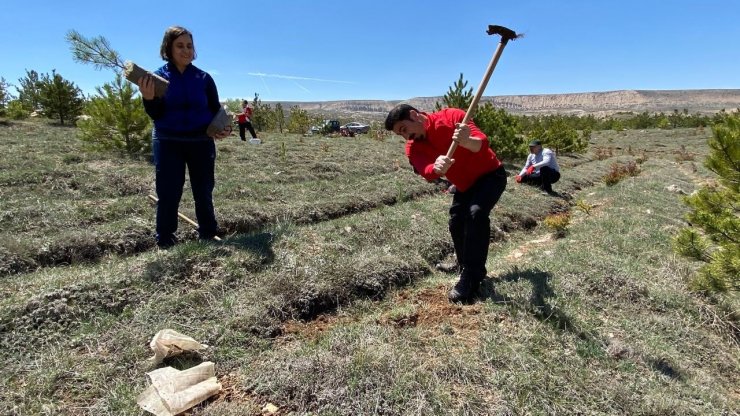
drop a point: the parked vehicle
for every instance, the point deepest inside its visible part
(328, 126)
(356, 127)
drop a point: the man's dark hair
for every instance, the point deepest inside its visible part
(398, 113)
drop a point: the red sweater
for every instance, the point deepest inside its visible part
(468, 166)
(245, 115)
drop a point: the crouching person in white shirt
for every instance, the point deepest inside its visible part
(541, 168)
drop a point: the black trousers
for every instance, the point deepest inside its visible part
(470, 225)
(546, 178)
(171, 159)
(248, 126)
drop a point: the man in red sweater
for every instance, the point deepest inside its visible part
(245, 121)
(475, 171)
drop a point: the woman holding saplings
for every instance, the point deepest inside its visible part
(179, 139)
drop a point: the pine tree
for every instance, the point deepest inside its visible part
(96, 51)
(714, 235)
(262, 116)
(117, 120)
(60, 98)
(503, 131)
(29, 90)
(5, 96)
(457, 96)
(563, 138)
(299, 121)
(279, 117)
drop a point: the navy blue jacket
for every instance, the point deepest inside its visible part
(187, 107)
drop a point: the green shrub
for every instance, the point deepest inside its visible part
(558, 223)
(17, 111)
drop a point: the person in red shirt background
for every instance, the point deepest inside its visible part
(474, 170)
(245, 121)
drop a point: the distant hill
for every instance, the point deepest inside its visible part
(597, 103)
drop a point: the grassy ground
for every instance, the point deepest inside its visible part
(328, 301)
(61, 205)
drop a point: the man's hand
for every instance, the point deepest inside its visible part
(518, 178)
(462, 137)
(461, 134)
(442, 164)
(146, 87)
(530, 170)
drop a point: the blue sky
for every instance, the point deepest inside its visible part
(321, 50)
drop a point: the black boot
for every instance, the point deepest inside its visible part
(464, 290)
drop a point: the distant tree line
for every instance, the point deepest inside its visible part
(510, 134)
(115, 119)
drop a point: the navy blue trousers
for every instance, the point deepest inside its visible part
(470, 225)
(171, 158)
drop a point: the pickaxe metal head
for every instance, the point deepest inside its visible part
(505, 33)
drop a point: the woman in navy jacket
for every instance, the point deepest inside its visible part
(179, 138)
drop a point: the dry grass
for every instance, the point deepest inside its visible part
(330, 304)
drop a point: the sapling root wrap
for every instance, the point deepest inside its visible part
(220, 121)
(133, 72)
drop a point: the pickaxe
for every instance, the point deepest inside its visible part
(188, 220)
(506, 35)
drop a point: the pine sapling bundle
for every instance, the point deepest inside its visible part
(220, 121)
(134, 72)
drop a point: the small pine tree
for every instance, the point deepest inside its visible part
(503, 131)
(299, 121)
(16, 110)
(457, 96)
(564, 138)
(5, 96)
(96, 51)
(279, 117)
(29, 91)
(60, 98)
(117, 120)
(715, 210)
(262, 116)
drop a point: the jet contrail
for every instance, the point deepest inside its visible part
(261, 74)
(265, 84)
(301, 87)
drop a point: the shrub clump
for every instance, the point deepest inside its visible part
(619, 171)
(558, 223)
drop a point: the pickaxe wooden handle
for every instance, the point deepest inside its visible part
(506, 36)
(188, 220)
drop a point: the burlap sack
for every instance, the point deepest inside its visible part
(220, 121)
(173, 391)
(133, 72)
(168, 342)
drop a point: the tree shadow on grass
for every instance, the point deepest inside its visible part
(259, 244)
(537, 304)
(539, 307)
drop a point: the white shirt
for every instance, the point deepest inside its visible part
(545, 157)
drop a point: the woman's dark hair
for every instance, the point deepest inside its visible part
(172, 33)
(398, 113)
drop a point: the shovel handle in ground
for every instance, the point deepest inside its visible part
(506, 35)
(183, 216)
